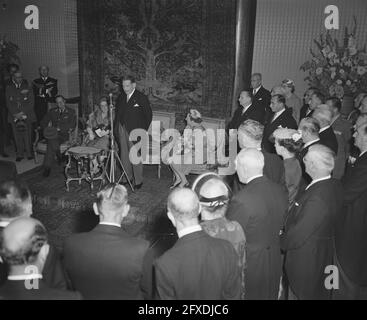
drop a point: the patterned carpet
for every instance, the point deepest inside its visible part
(64, 213)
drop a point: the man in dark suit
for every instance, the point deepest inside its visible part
(246, 110)
(351, 231)
(45, 91)
(62, 119)
(133, 112)
(21, 116)
(313, 99)
(308, 237)
(261, 96)
(282, 118)
(24, 248)
(113, 262)
(250, 135)
(327, 136)
(260, 208)
(16, 202)
(197, 267)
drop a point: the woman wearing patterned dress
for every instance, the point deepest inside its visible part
(214, 196)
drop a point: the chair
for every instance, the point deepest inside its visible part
(40, 146)
(167, 120)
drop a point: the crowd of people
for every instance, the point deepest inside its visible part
(295, 209)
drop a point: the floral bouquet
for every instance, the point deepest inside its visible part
(335, 69)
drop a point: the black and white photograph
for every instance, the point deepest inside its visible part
(183, 153)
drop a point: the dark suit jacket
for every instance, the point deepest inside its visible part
(53, 272)
(50, 83)
(199, 267)
(8, 170)
(308, 238)
(134, 114)
(328, 138)
(106, 263)
(260, 208)
(285, 120)
(351, 236)
(254, 112)
(65, 121)
(262, 98)
(16, 290)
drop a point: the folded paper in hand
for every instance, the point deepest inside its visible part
(101, 133)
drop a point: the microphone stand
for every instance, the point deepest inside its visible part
(113, 157)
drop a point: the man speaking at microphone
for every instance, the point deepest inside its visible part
(133, 111)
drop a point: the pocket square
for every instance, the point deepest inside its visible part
(260, 99)
(136, 105)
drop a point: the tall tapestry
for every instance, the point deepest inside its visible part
(182, 52)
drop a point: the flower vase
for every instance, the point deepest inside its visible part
(347, 105)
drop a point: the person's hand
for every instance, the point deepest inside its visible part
(91, 136)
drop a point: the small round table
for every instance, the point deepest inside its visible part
(84, 157)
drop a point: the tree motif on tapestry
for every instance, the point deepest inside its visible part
(158, 41)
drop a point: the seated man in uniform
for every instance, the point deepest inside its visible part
(62, 120)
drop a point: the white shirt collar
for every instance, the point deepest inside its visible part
(4, 224)
(318, 180)
(25, 277)
(254, 177)
(44, 78)
(323, 129)
(310, 142)
(276, 115)
(362, 153)
(130, 95)
(189, 230)
(110, 224)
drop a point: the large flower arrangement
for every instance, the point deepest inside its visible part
(338, 70)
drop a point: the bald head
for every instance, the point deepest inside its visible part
(249, 163)
(323, 115)
(22, 241)
(183, 204)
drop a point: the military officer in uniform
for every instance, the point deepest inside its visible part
(57, 124)
(21, 116)
(45, 90)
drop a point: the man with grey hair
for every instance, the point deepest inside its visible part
(308, 237)
(324, 116)
(250, 135)
(113, 264)
(198, 266)
(24, 247)
(45, 91)
(261, 218)
(309, 128)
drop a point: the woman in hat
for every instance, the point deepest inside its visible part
(98, 130)
(291, 99)
(288, 142)
(184, 159)
(214, 195)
